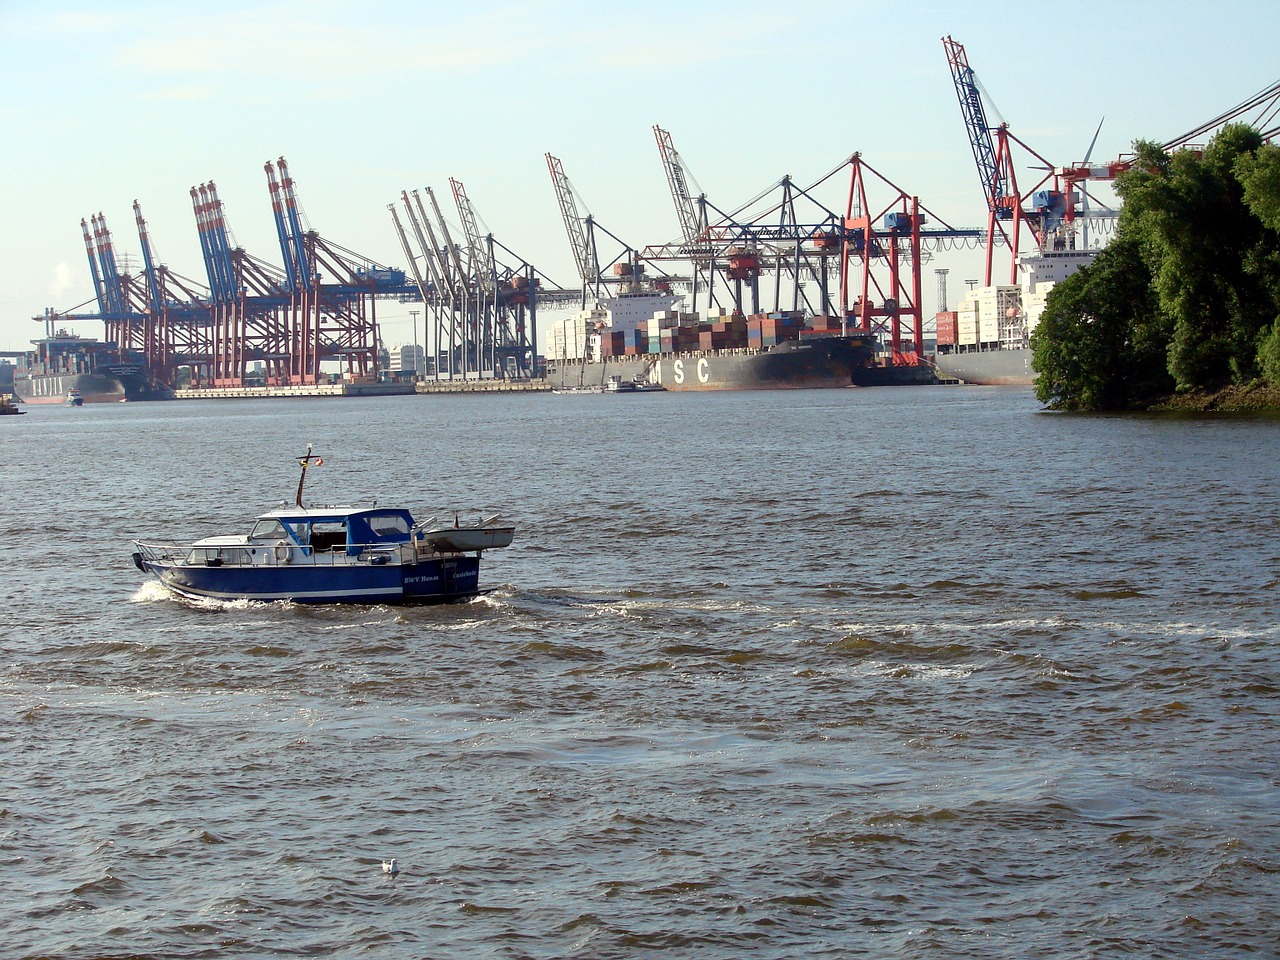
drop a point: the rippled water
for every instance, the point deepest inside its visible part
(887, 673)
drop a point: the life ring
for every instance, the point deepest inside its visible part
(283, 553)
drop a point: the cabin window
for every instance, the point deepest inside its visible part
(228, 555)
(328, 536)
(386, 524)
(268, 530)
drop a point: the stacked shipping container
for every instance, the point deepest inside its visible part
(671, 331)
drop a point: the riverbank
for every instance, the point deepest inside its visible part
(1253, 398)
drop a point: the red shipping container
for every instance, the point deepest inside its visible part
(948, 327)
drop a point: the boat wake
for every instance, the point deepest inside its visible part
(152, 591)
(155, 592)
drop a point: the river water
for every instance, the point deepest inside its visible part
(903, 672)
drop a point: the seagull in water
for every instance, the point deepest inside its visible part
(390, 867)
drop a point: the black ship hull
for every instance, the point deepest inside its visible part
(810, 363)
(98, 387)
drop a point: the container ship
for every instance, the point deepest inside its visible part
(987, 340)
(65, 363)
(641, 338)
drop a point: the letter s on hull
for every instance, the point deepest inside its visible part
(677, 370)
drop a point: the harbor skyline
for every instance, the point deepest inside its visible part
(150, 100)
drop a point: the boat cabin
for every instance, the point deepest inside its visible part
(309, 532)
(331, 529)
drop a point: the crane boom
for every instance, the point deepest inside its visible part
(449, 245)
(477, 251)
(282, 229)
(301, 265)
(691, 223)
(572, 221)
(423, 289)
(435, 256)
(156, 301)
(975, 122)
(110, 272)
(99, 289)
(430, 254)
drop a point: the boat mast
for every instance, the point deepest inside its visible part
(304, 462)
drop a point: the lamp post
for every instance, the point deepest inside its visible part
(414, 315)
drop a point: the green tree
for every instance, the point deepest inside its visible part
(1188, 294)
(1201, 243)
(1259, 175)
(1100, 343)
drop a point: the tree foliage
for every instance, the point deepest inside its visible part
(1187, 296)
(1100, 343)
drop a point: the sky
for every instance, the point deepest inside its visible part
(105, 103)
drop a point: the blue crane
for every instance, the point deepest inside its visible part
(994, 182)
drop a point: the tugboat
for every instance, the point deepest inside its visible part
(330, 554)
(74, 398)
(8, 408)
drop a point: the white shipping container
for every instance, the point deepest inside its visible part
(1034, 304)
(988, 325)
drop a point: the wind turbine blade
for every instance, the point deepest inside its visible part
(1089, 153)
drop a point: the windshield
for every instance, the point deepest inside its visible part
(267, 530)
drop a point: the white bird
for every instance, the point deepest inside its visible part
(390, 867)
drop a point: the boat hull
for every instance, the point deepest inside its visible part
(438, 580)
(811, 363)
(997, 368)
(92, 387)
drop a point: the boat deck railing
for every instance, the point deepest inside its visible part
(280, 555)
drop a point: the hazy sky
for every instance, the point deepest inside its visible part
(107, 102)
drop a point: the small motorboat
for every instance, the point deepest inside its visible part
(330, 554)
(635, 385)
(74, 398)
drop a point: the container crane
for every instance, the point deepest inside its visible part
(99, 287)
(155, 342)
(691, 213)
(577, 227)
(694, 221)
(300, 263)
(1261, 111)
(994, 180)
(627, 268)
(293, 279)
(432, 287)
(484, 308)
(178, 315)
(870, 251)
(1048, 210)
(505, 324)
(993, 156)
(124, 297)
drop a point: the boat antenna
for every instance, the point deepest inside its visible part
(304, 462)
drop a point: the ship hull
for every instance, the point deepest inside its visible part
(812, 363)
(445, 580)
(995, 368)
(92, 387)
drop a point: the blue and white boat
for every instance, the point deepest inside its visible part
(330, 554)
